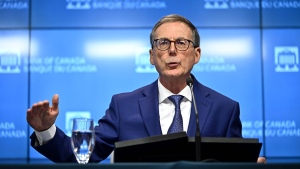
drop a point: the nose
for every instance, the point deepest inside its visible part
(172, 46)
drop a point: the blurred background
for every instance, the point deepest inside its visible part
(88, 50)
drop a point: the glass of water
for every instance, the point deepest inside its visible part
(83, 139)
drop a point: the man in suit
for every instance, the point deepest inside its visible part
(147, 111)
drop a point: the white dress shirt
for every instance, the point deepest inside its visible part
(167, 108)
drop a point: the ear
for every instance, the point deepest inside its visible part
(197, 54)
(151, 56)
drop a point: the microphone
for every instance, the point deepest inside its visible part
(190, 82)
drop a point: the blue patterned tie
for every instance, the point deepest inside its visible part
(177, 124)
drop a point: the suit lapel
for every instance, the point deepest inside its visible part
(150, 112)
(149, 109)
(203, 105)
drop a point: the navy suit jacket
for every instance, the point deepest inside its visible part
(136, 115)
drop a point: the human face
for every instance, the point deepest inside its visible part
(171, 62)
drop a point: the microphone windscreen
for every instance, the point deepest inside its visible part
(189, 81)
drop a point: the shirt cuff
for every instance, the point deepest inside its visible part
(44, 136)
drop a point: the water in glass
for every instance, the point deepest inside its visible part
(83, 139)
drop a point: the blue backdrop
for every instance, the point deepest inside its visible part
(88, 50)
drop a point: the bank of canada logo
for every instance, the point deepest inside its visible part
(142, 61)
(72, 115)
(78, 4)
(10, 61)
(216, 4)
(13, 4)
(286, 59)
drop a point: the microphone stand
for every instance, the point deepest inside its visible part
(197, 136)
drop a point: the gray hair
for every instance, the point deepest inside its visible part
(176, 18)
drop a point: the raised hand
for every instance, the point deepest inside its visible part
(41, 116)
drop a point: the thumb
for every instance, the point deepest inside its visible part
(55, 101)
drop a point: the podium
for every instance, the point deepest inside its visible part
(180, 147)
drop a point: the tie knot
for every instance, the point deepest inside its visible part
(176, 99)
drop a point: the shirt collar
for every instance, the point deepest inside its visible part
(164, 93)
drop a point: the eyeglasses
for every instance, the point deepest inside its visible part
(180, 44)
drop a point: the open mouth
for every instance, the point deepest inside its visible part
(173, 64)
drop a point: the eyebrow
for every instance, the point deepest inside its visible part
(174, 39)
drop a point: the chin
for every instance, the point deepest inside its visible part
(174, 74)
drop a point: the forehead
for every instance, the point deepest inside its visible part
(173, 30)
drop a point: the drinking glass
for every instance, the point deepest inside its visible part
(83, 139)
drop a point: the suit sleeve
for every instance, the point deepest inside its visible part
(59, 149)
(235, 125)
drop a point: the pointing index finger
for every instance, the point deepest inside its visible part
(55, 101)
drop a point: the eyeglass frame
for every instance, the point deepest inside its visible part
(190, 41)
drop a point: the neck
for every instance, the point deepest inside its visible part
(174, 84)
